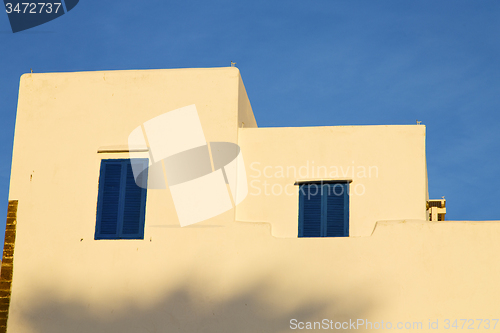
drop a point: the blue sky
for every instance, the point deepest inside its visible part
(304, 63)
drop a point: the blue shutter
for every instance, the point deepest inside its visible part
(134, 206)
(121, 203)
(310, 217)
(336, 195)
(108, 200)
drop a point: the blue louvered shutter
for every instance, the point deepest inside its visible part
(337, 214)
(310, 211)
(134, 206)
(121, 203)
(108, 200)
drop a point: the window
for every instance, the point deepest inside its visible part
(121, 204)
(324, 209)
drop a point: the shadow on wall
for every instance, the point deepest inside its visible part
(183, 311)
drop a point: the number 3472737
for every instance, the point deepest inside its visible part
(33, 7)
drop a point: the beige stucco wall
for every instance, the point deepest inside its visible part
(386, 163)
(222, 275)
(245, 114)
(238, 278)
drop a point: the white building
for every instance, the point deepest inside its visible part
(91, 257)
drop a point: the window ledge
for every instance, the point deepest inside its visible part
(121, 149)
(322, 181)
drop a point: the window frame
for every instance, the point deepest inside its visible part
(125, 164)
